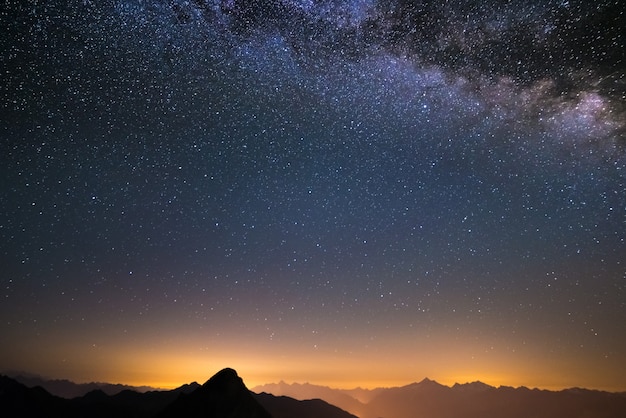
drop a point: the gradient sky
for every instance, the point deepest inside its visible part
(340, 192)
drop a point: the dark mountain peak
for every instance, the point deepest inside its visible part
(226, 372)
(223, 395)
(226, 379)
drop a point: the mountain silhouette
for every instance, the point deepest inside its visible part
(477, 400)
(128, 403)
(222, 396)
(348, 400)
(17, 400)
(68, 389)
(285, 407)
(431, 399)
(226, 396)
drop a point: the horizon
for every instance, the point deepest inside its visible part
(226, 393)
(251, 384)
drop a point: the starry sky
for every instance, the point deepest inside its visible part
(341, 192)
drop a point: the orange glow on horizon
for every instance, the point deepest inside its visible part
(389, 364)
(331, 373)
(252, 381)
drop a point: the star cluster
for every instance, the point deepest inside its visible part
(436, 188)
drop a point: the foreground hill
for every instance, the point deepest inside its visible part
(344, 399)
(285, 407)
(17, 400)
(357, 396)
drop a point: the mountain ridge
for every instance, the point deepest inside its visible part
(225, 395)
(68, 389)
(472, 399)
(426, 380)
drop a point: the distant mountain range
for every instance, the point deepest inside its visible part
(68, 389)
(470, 400)
(223, 396)
(226, 396)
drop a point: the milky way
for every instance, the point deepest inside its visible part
(423, 189)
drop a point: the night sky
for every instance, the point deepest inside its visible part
(341, 192)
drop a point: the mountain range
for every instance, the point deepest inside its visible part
(470, 400)
(226, 396)
(68, 389)
(223, 396)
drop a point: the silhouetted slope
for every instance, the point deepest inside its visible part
(338, 397)
(222, 396)
(285, 407)
(17, 400)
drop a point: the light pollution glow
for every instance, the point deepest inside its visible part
(171, 362)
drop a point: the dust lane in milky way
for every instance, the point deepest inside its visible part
(341, 192)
